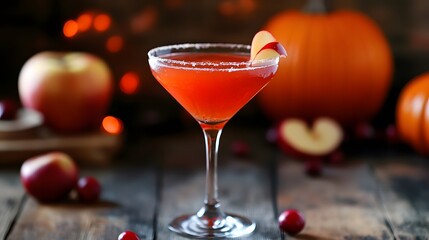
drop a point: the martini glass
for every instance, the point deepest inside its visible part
(212, 82)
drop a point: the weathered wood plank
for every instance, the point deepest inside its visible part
(244, 185)
(128, 202)
(341, 204)
(404, 192)
(11, 197)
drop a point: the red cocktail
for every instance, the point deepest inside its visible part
(212, 82)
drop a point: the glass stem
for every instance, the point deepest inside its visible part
(212, 138)
(210, 216)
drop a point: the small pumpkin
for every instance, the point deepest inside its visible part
(339, 65)
(412, 113)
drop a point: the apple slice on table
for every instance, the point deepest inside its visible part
(300, 140)
(265, 46)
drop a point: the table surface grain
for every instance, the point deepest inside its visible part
(374, 195)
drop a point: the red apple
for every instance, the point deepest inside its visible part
(300, 140)
(49, 177)
(71, 89)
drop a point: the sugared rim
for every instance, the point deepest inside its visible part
(197, 47)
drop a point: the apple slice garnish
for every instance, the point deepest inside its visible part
(297, 138)
(265, 46)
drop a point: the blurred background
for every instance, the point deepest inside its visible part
(121, 32)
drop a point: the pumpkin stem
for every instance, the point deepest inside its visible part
(317, 6)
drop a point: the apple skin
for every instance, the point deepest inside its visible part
(72, 90)
(49, 177)
(285, 145)
(274, 46)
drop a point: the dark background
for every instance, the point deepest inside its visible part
(31, 26)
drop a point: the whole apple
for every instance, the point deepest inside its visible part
(49, 177)
(71, 89)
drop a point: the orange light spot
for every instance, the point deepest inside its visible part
(84, 21)
(129, 83)
(144, 20)
(114, 43)
(70, 28)
(227, 8)
(102, 22)
(247, 6)
(112, 125)
(174, 4)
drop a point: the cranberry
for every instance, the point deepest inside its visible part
(291, 221)
(128, 235)
(336, 158)
(88, 189)
(272, 135)
(392, 136)
(8, 110)
(240, 149)
(364, 131)
(314, 167)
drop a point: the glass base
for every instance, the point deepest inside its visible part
(234, 226)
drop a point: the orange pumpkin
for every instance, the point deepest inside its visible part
(412, 113)
(339, 65)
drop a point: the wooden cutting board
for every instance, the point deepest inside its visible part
(92, 148)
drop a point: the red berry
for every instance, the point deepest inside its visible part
(88, 189)
(272, 135)
(314, 167)
(128, 235)
(392, 136)
(364, 131)
(240, 149)
(291, 221)
(336, 158)
(8, 110)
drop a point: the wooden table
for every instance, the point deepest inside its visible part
(374, 196)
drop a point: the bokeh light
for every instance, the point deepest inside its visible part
(145, 20)
(112, 125)
(70, 28)
(102, 22)
(247, 6)
(84, 21)
(237, 7)
(114, 43)
(227, 8)
(173, 4)
(129, 83)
